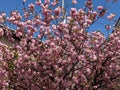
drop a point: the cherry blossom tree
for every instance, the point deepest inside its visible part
(55, 55)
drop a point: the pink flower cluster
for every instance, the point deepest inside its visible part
(55, 55)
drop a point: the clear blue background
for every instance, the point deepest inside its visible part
(8, 5)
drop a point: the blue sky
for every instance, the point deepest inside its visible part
(9, 5)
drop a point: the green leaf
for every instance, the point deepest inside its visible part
(10, 65)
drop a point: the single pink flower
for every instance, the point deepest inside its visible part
(111, 16)
(108, 27)
(31, 6)
(74, 1)
(100, 8)
(95, 87)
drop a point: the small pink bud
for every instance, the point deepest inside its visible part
(108, 27)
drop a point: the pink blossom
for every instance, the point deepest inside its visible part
(75, 79)
(100, 8)
(108, 27)
(54, 3)
(111, 16)
(47, 1)
(48, 54)
(19, 34)
(74, 1)
(31, 6)
(1, 32)
(54, 27)
(94, 57)
(25, 56)
(95, 87)
(89, 4)
(95, 14)
(1, 19)
(38, 3)
(73, 12)
(88, 70)
(52, 44)
(11, 19)
(88, 21)
(57, 10)
(81, 11)
(3, 14)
